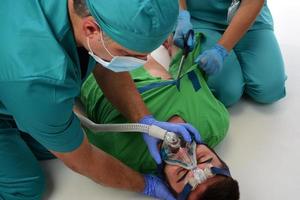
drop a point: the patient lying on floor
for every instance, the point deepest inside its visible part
(208, 179)
(190, 101)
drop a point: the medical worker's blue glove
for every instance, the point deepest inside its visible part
(184, 25)
(187, 131)
(154, 187)
(211, 60)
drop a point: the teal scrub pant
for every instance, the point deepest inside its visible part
(21, 177)
(254, 67)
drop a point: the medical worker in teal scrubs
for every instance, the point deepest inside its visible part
(240, 52)
(44, 51)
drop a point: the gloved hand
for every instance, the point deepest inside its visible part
(154, 187)
(183, 129)
(184, 25)
(211, 60)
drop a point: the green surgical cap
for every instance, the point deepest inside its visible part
(138, 25)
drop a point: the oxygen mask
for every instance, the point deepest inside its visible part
(176, 151)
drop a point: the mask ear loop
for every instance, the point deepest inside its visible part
(88, 44)
(102, 41)
(96, 58)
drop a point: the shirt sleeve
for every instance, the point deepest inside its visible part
(43, 109)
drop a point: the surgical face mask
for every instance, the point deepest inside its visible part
(118, 63)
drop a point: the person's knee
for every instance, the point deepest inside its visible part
(26, 188)
(268, 91)
(229, 95)
(228, 85)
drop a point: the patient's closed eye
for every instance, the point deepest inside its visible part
(183, 177)
(206, 161)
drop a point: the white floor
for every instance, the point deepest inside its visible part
(262, 146)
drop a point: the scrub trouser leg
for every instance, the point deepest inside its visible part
(21, 177)
(255, 66)
(262, 64)
(228, 85)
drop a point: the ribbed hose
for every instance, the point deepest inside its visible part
(152, 130)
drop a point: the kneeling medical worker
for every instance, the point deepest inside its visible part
(45, 46)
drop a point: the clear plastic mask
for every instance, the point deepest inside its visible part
(180, 153)
(175, 151)
(198, 176)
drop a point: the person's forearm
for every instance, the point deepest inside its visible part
(241, 22)
(113, 173)
(182, 4)
(120, 90)
(102, 168)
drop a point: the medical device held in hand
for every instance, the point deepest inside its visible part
(152, 130)
(235, 4)
(176, 151)
(185, 52)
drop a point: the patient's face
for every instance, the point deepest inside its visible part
(178, 176)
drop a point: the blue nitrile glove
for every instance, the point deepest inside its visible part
(211, 60)
(155, 187)
(184, 25)
(187, 131)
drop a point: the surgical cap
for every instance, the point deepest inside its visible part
(138, 25)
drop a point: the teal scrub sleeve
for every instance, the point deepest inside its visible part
(43, 108)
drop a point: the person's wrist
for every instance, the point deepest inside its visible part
(147, 119)
(221, 50)
(147, 189)
(184, 14)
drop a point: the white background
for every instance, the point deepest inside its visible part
(262, 146)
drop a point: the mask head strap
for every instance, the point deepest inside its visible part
(185, 192)
(160, 171)
(188, 187)
(220, 171)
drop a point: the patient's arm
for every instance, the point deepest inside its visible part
(101, 167)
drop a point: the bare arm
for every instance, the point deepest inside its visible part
(120, 90)
(182, 4)
(241, 22)
(102, 168)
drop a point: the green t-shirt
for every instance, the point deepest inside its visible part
(193, 102)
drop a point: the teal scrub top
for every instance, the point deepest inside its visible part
(212, 14)
(40, 71)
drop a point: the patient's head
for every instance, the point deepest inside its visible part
(217, 187)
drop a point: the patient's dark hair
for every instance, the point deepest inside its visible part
(80, 8)
(225, 189)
